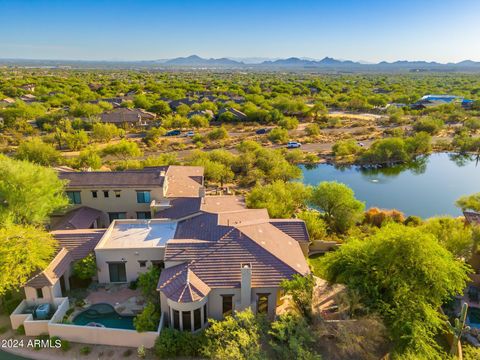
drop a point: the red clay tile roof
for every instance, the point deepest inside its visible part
(79, 242)
(53, 272)
(472, 217)
(180, 284)
(146, 177)
(80, 218)
(180, 208)
(217, 204)
(184, 181)
(218, 263)
(295, 228)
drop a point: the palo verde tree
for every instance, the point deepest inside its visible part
(29, 193)
(23, 249)
(338, 204)
(405, 275)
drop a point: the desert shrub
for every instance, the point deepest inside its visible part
(218, 134)
(312, 130)
(20, 330)
(413, 220)
(3, 329)
(278, 135)
(428, 125)
(172, 343)
(148, 319)
(346, 147)
(65, 345)
(234, 338)
(85, 350)
(377, 217)
(291, 338)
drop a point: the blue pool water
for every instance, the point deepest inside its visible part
(106, 315)
(473, 315)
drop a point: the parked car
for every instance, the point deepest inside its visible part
(361, 144)
(261, 131)
(173, 133)
(293, 144)
(189, 134)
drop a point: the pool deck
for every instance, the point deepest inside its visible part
(126, 301)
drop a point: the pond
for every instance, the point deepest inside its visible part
(427, 187)
(8, 356)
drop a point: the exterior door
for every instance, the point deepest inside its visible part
(117, 272)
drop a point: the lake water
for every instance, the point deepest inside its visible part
(428, 187)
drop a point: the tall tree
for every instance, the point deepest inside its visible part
(471, 202)
(404, 274)
(23, 249)
(337, 202)
(29, 193)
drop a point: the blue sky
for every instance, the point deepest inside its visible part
(370, 30)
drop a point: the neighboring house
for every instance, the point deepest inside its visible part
(174, 104)
(28, 98)
(28, 87)
(206, 113)
(133, 194)
(7, 101)
(53, 282)
(218, 259)
(125, 116)
(115, 102)
(437, 100)
(237, 114)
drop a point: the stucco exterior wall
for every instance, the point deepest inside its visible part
(215, 302)
(132, 258)
(127, 202)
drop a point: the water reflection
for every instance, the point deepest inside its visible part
(428, 186)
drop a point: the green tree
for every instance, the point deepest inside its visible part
(218, 134)
(470, 202)
(105, 132)
(337, 202)
(300, 288)
(29, 193)
(89, 158)
(386, 151)
(76, 140)
(316, 226)
(278, 135)
(36, 151)
(405, 275)
(312, 130)
(85, 268)
(291, 338)
(234, 338)
(148, 319)
(123, 150)
(346, 147)
(23, 250)
(147, 283)
(281, 199)
(451, 234)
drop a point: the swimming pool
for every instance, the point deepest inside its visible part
(473, 317)
(104, 315)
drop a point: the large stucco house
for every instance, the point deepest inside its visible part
(216, 255)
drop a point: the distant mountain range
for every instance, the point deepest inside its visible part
(291, 64)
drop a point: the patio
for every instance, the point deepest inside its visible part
(126, 301)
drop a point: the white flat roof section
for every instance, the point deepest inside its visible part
(138, 234)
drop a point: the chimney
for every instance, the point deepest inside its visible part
(246, 286)
(201, 194)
